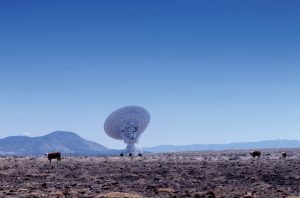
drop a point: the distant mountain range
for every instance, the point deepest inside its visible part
(268, 144)
(70, 143)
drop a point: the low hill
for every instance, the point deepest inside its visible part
(65, 142)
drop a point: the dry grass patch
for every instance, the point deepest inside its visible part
(119, 195)
(249, 195)
(57, 194)
(36, 194)
(22, 190)
(167, 190)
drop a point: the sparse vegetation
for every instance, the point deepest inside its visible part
(210, 174)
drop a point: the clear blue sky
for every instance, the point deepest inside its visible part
(208, 71)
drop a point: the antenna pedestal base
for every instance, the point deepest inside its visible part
(132, 150)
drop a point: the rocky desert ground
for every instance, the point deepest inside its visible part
(201, 174)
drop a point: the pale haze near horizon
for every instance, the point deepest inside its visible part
(208, 72)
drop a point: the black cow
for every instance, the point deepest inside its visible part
(283, 154)
(255, 154)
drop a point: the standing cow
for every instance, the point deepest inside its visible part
(55, 155)
(255, 154)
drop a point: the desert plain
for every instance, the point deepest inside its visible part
(192, 174)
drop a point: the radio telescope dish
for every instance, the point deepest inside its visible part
(127, 123)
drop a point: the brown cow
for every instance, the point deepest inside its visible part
(55, 155)
(255, 153)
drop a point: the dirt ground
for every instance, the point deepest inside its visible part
(202, 174)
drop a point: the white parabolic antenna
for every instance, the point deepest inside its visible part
(127, 123)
